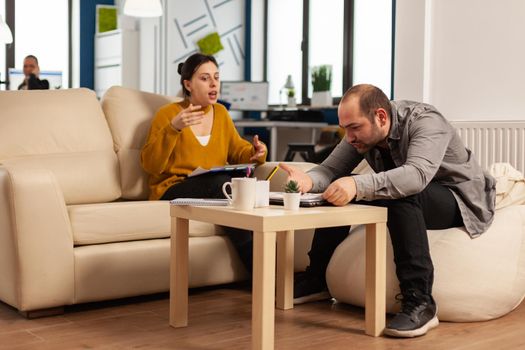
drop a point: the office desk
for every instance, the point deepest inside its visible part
(274, 125)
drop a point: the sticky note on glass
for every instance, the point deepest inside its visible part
(210, 44)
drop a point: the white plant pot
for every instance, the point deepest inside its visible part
(321, 99)
(291, 102)
(291, 201)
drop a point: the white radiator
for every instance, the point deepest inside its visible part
(495, 142)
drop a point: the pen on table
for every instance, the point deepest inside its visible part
(272, 173)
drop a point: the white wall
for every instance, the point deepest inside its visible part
(373, 43)
(169, 40)
(150, 63)
(409, 50)
(466, 57)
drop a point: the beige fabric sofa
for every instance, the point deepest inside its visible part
(75, 222)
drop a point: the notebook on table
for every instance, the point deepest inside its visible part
(307, 199)
(200, 202)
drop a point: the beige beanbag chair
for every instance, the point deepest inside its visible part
(475, 279)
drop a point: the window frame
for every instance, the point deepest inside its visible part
(348, 26)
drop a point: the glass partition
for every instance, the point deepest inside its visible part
(42, 30)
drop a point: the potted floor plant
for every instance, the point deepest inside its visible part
(291, 195)
(321, 81)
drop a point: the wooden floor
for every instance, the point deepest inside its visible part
(220, 319)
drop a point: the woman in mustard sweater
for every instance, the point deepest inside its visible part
(198, 132)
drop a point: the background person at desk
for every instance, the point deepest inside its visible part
(31, 73)
(197, 132)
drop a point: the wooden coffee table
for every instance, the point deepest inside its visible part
(276, 224)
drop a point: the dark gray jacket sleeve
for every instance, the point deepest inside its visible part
(343, 159)
(428, 141)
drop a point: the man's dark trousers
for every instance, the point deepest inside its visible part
(434, 208)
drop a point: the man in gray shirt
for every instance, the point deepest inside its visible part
(424, 175)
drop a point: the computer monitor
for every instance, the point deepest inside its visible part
(245, 95)
(16, 77)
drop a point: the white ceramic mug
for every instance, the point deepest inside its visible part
(262, 193)
(243, 192)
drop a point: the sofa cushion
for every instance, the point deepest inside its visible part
(117, 270)
(64, 131)
(475, 279)
(129, 113)
(126, 221)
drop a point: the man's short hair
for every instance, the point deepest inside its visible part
(370, 99)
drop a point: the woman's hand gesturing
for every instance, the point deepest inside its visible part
(187, 117)
(258, 147)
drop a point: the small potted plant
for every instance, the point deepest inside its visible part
(321, 82)
(291, 98)
(291, 195)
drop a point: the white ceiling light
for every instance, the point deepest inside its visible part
(5, 33)
(143, 8)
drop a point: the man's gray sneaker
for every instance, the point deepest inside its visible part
(418, 315)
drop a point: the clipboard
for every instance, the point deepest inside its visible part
(248, 167)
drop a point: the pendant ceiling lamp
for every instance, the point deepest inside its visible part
(5, 33)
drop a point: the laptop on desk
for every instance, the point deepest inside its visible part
(307, 199)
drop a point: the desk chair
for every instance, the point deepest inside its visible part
(305, 150)
(316, 153)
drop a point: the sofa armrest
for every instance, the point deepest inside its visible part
(279, 179)
(36, 243)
